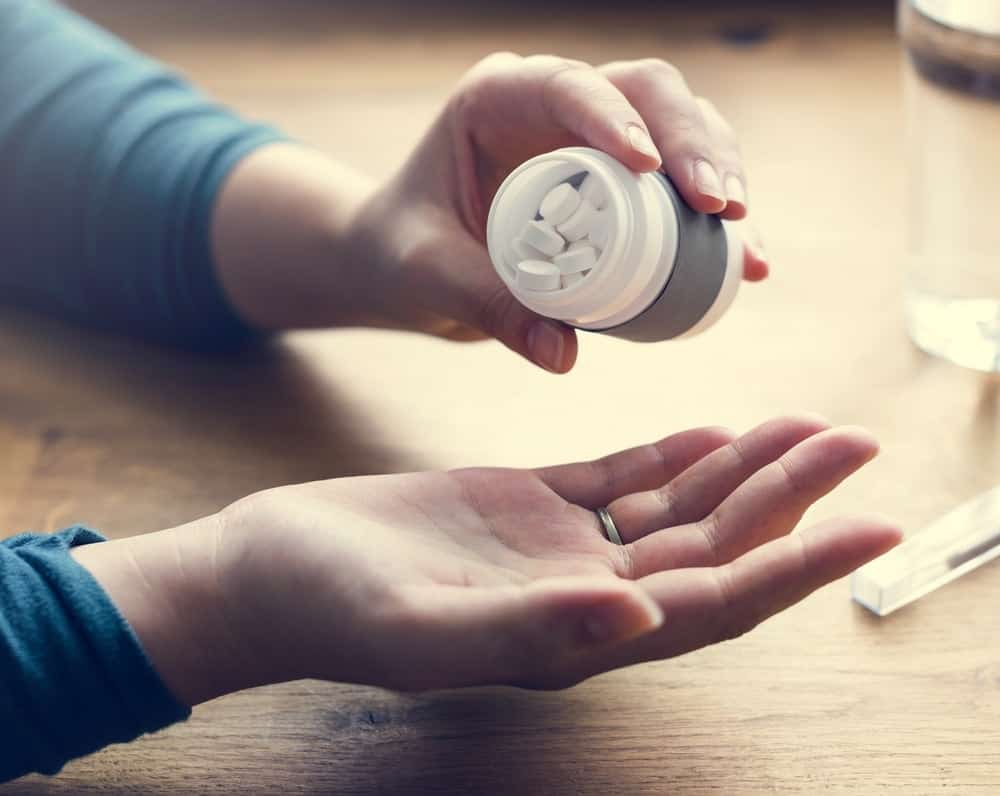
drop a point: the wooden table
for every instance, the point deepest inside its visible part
(824, 698)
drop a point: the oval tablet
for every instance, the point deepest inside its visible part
(578, 225)
(569, 280)
(525, 251)
(592, 190)
(559, 203)
(543, 236)
(537, 275)
(598, 234)
(575, 259)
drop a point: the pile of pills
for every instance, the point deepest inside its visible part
(560, 246)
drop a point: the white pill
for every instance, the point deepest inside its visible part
(537, 275)
(599, 229)
(543, 237)
(592, 190)
(578, 225)
(575, 259)
(569, 280)
(559, 203)
(526, 251)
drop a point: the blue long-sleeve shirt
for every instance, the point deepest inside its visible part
(109, 170)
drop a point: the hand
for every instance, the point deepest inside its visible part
(435, 580)
(301, 241)
(428, 224)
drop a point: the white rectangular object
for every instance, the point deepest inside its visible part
(959, 542)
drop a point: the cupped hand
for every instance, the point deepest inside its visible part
(484, 576)
(427, 225)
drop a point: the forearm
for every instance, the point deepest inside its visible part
(287, 244)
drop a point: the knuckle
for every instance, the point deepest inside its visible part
(709, 528)
(688, 122)
(659, 68)
(546, 63)
(485, 75)
(732, 622)
(558, 75)
(666, 496)
(626, 566)
(788, 474)
(498, 61)
(740, 453)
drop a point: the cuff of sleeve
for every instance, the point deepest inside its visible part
(74, 676)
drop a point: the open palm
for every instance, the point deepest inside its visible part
(489, 575)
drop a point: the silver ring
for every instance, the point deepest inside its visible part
(610, 530)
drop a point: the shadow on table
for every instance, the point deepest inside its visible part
(592, 739)
(136, 425)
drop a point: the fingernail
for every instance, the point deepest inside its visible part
(641, 142)
(546, 345)
(618, 622)
(735, 192)
(706, 178)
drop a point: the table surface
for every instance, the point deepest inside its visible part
(822, 698)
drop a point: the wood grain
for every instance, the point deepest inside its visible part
(822, 699)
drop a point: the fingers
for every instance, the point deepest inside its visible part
(730, 165)
(727, 160)
(755, 264)
(556, 102)
(706, 606)
(597, 483)
(699, 151)
(768, 505)
(728, 601)
(695, 493)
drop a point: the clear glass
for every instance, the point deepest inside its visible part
(952, 96)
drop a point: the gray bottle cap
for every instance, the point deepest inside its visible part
(693, 284)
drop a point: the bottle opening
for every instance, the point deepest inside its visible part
(556, 219)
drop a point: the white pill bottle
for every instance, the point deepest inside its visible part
(577, 236)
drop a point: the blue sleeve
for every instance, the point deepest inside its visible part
(109, 170)
(73, 676)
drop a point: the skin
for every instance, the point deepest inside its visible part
(410, 254)
(478, 576)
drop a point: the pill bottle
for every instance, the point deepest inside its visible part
(577, 236)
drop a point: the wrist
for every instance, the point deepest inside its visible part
(166, 586)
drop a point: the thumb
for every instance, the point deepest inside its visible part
(479, 298)
(546, 342)
(582, 613)
(541, 634)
